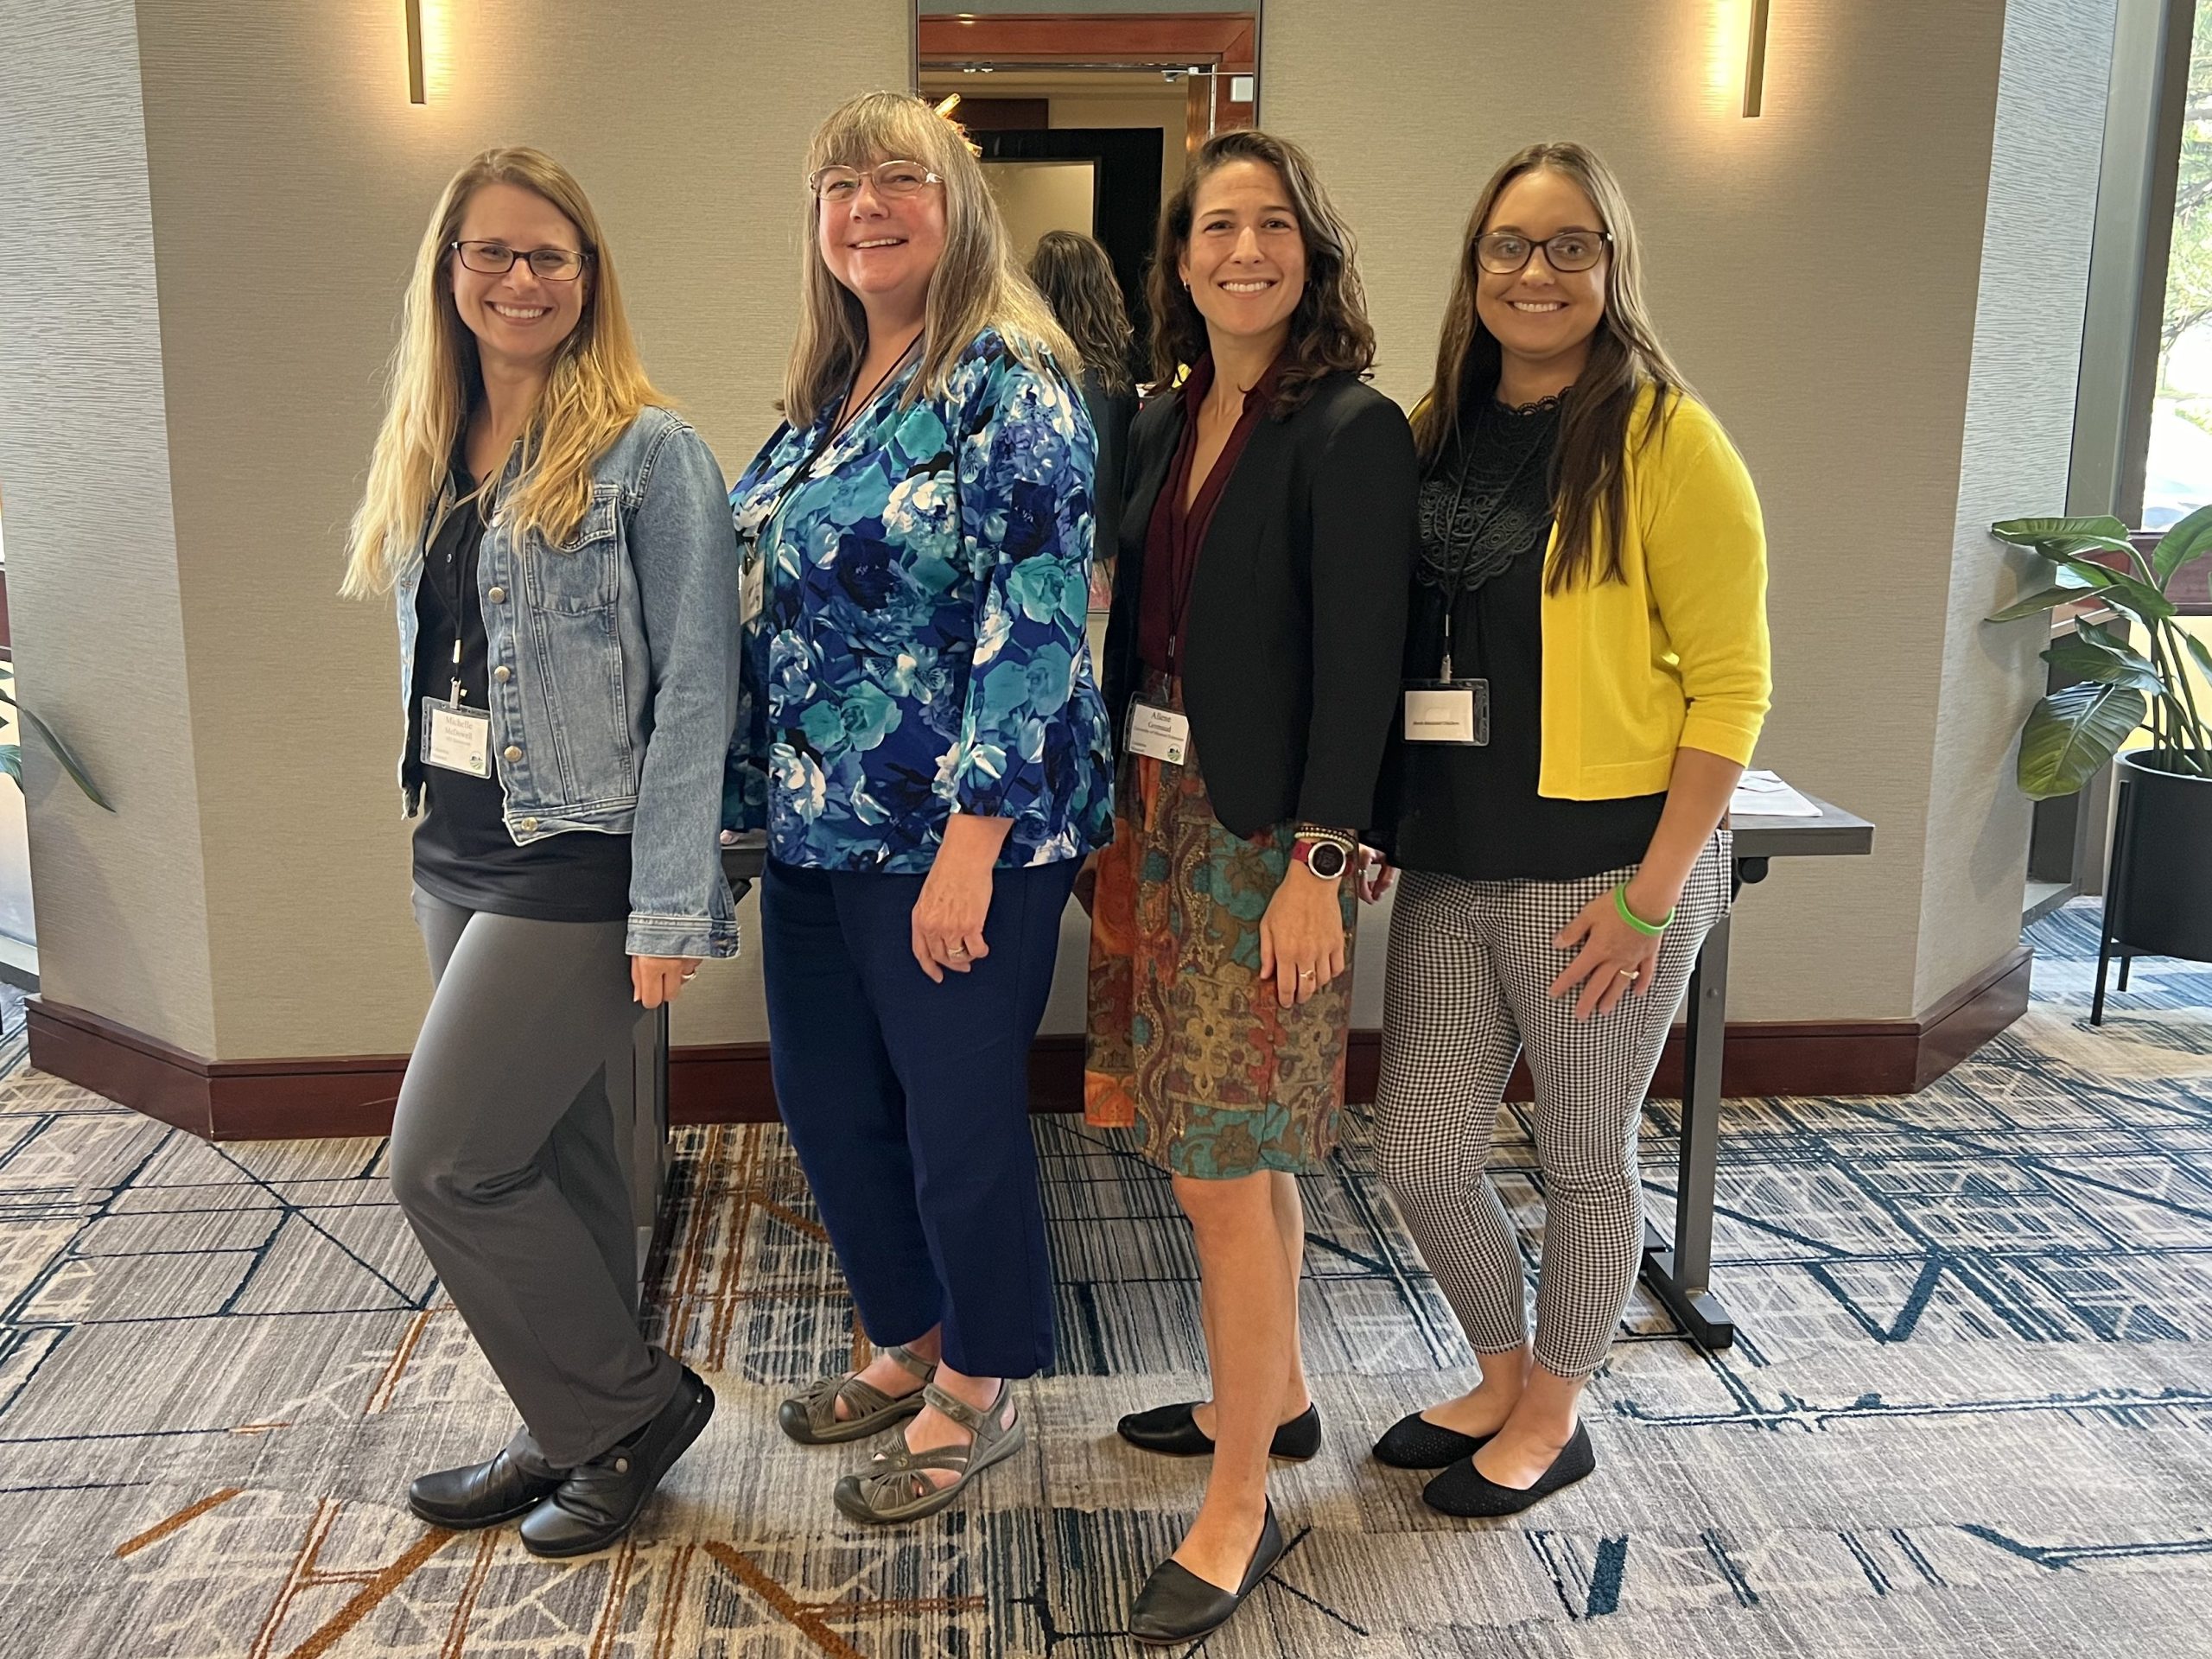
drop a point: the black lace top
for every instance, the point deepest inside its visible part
(1486, 522)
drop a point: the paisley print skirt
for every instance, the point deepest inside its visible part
(1188, 1045)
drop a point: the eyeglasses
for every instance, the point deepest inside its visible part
(497, 259)
(839, 185)
(1503, 252)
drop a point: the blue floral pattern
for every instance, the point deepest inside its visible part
(918, 645)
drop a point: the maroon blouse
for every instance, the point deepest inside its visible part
(1177, 534)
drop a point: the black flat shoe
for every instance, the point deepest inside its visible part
(1176, 1605)
(1174, 1430)
(1415, 1443)
(1462, 1490)
(482, 1494)
(599, 1500)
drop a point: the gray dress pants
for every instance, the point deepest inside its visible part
(503, 1158)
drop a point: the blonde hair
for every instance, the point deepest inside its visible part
(596, 388)
(1589, 468)
(978, 284)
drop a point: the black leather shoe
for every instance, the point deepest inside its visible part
(599, 1500)
(1174, 1432)
(482, 1494)
(1462, 1490)
(1176, 1605)
(1415, 1443)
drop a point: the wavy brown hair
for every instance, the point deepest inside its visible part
(1590, 467)
(1076, 279)
(1329, 331)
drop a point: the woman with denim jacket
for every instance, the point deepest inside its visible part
(925, 744)
(566, 581)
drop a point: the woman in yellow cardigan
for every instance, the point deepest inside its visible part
(1586, 677)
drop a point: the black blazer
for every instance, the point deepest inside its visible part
(1297, 624)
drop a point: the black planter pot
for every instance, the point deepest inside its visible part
(2158, 897)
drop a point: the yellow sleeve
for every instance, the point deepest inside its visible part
(1705, 556)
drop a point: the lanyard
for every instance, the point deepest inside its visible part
(1450, 587)
(460, 576)
(853, 406)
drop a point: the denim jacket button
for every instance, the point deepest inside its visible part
(512, 751)
(529, 826)
(502, 674)
(496, 595)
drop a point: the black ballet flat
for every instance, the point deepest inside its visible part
(1173, 1432)
(1176, 1605)
(1415, 1443)
(1462, 1489)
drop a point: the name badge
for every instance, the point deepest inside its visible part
(460, 739)
(1448, 711)
(1159, 733)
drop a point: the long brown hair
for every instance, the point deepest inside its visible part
(596, 388)
(1589, 468)
(1076, 279)
(1329, 331)
(978, 282)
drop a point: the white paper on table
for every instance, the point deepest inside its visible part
(1762, 795)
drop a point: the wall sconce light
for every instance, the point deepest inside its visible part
(416, 93)
(1755, 61)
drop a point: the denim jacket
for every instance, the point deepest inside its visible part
(613, 661)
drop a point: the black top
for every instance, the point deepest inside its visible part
(1111, 412)
(1485, 524)
(463, 852)
(1298, 606)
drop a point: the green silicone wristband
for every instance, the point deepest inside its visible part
(1649, 929)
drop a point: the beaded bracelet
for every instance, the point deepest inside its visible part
(1650, 931)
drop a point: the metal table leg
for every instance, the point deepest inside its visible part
(1681, 1276)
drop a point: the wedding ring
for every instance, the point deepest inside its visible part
(1630, 973)
(955, 950)
(1306, 973)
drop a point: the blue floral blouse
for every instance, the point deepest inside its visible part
(914, 638)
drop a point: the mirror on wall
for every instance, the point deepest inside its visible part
(1085, 119)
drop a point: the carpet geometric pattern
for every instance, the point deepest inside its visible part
(1970, 1411)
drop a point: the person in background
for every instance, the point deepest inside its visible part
(1252, 659)
(924, 741)
(1075, 277)
(566, 578)
(1587, 674)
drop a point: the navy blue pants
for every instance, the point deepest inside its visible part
(908, 1104)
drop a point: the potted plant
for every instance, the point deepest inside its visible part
(2158, 892)
(12, 755)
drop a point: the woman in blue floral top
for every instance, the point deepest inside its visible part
(922, 738)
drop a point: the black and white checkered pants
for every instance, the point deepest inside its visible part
(1470, 965)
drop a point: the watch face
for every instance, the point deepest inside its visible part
(1325, 860)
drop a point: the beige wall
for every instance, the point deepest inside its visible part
(1819, 273)
(269, 127)
(1034, 197)
(1165, 108)
(92, 585)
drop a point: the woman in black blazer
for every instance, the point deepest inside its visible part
(1268, 536)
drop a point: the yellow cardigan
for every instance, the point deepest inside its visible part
(1675, 655)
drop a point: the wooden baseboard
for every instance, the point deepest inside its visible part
(729, 1083)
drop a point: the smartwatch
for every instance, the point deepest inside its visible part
(1325, 859)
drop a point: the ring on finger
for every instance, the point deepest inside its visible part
(1631, 974)
(955, 950)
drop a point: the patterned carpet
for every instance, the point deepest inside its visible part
(1971, 1413)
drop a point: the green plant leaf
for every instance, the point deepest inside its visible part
(11, 761)
(2131, 593)
(2037, 602)
(2184, 542)
(60, 750)
(2027, 532)
(2090, 660)
(2196, 649)
(2073, 735)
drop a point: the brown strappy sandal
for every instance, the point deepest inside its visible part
(894, 1488)
(810, 1415)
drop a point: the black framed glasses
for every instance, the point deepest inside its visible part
(497, 259)
(1503, 252)
(838, 185)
